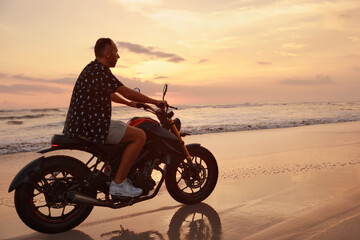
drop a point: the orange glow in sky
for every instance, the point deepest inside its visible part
(208, 51)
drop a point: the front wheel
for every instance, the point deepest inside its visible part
(192, 182)
(41, 202)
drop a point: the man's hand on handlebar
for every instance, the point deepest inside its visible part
(162, 104)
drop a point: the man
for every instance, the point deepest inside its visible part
(89, 114)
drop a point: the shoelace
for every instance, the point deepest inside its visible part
(129, 183)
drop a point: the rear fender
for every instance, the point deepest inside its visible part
(50, 149)
(23, 175)
(108, 151)
(75, 147)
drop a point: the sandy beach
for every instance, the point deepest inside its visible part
(289, 183)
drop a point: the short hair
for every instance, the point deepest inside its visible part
(100, 46)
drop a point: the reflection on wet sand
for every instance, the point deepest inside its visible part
(123, 234)
(198, 221)
(195, 222)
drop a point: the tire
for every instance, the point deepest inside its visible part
(190, 186)
(37, 201)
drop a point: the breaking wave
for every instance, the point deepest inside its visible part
(31, 129)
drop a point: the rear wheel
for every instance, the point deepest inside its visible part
(41, 203)
(192, 182)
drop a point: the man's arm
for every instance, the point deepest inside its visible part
(116, 98)
(136, 96)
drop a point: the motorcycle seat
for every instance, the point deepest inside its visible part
(63, 142)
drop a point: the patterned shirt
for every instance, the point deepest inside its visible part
(89, 113)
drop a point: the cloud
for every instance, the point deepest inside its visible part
(349, 13)
(147, 87)
(264, 63)
(41, 84)
(199, 6)
(27, 78)
(3, 75)
(29, 89)
(319, 79)
(160, 77)
(139, 2)
(149, 51)
(354, 38)
(66, 80)
(292, 46)
(286, 54)
(203, 61)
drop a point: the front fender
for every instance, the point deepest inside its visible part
(182, 156)
(192, 145)
(23, 174)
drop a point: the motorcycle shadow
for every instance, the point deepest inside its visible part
(199, 221)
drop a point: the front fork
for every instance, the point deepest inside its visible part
(176, 132)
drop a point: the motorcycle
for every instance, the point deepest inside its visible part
(57, 193)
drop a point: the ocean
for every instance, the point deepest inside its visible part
(31, 129)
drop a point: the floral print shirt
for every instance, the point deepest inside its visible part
(89, 113)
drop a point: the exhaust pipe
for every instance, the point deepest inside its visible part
(75, 197)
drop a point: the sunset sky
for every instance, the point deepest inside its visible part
(208, 51)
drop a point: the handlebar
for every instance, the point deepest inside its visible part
(161, 106)
(147, 107)
(162, 114)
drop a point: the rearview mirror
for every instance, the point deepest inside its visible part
(165, 90)
(137, 89)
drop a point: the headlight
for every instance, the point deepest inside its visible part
(169, 114)
(177, 124)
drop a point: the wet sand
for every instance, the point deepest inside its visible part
(293, 183)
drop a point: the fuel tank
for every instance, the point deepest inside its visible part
(157, 136)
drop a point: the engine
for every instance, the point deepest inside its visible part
(142, 177)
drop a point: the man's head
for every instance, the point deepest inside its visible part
(106, 52)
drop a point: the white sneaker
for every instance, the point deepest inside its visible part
(124, 189)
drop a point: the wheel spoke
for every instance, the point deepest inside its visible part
(65, 174)
(37, 194)
(41, 206)
(63, 211)
(45, 181)
(39, 188)
(54, 175)
(49, 216)
(179, 180)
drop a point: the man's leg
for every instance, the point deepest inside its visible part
(135, 138)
